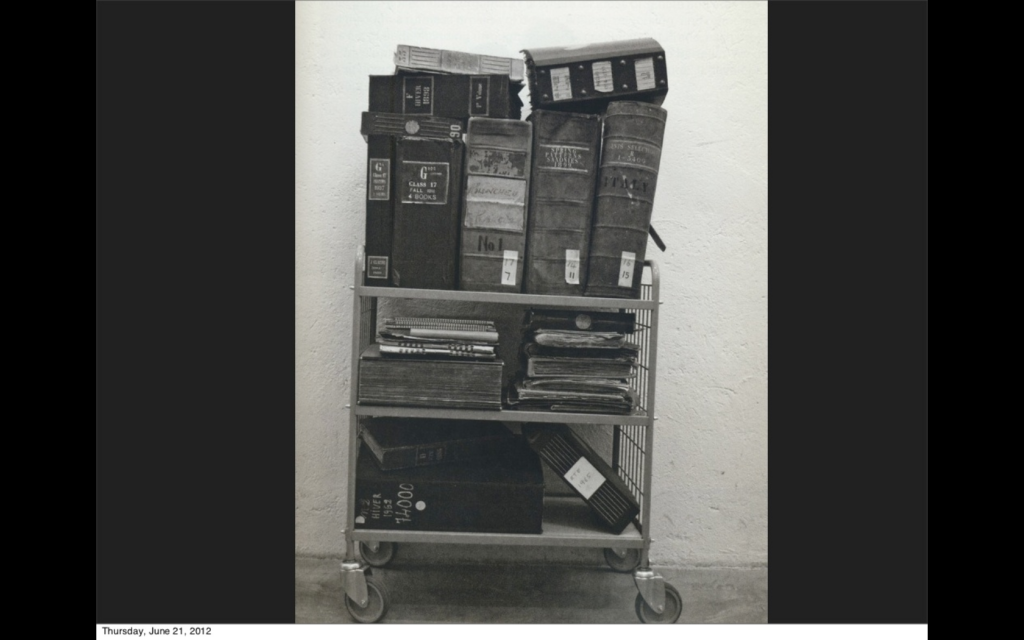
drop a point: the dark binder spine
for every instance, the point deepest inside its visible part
(450, 96)
(395, 124)
(562, 185)
(495, 206)
(428, 175)
(380, 159)
(627, 179)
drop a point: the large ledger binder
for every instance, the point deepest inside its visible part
(627, 180)
(495, 211)
(424, 381)
(589, 77)
(503, 493)
(586, 472)
(403, 443)
(444, 61)
(566, 147)
(428, 175)
(448, 96)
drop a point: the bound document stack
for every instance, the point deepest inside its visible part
(577, 370)
(432, 362)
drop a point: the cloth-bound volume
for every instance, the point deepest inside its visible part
(495, 211)
(589, 77)
(503, 493)
(567, 319)
(586, 472)
(444, 61)
(403, 443)
(428, 175)
(447, 96)
(566, 147)
(630, 158)
(425, 381)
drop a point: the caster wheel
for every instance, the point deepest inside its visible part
(625, 563)
(379, 558)
(377, 604)
(673, 608)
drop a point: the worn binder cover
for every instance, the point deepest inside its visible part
(627, 180)
(428, 175)
(426, 381)
(446, 96)
(495, 205)
(443, 61)
(586, 472)
(587, 78)
(403, 443)
(503, 493)
(396, 124)
(380, 210)
(566, 147)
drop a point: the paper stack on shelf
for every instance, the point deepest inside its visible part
(442, 337)
(577, 370)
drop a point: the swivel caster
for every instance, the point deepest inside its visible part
(673, 608)
(622, 560)
(377, 603)
(377, 558)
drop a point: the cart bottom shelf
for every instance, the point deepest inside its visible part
(567, 522)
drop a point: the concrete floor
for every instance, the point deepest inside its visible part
(434, 584)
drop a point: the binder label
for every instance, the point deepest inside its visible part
(561, 85)
(424, 182)
(584, 478)
(508, 267)
(479, 95)
(603, 80)
(644, 73)
(572, 266)
(419, 95)
(496, 162)
(564, 157)
(377, 267)
(626, 269)
(380, 179)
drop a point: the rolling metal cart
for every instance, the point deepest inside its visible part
(566, 521)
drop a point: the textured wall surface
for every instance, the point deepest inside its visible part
(710, 496)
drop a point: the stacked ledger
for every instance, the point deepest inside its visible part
(432, 362)
(580, 369)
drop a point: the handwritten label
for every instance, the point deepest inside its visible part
(495, 189)
(561, 85)
(626, 269)
(585, 478)
(572, 266)
(508, 267)
(603, 80)
(424, 182)
(644, 74)
(380, 179)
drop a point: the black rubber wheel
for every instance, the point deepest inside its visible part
(673, 608)
(379, 558)
(377, 604)
(625, 564)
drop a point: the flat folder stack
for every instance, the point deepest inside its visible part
(432, 362)
(580, 369)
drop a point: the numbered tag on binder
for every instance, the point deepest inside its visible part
(572, 266)
(508, 268)
(626, 269)
(585, 477)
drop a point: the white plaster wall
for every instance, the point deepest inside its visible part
(710, 498)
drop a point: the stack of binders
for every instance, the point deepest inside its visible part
(432, 362)
(579, 369)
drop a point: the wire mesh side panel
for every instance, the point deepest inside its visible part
(629, 455)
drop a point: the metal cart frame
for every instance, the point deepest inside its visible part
(566, 521)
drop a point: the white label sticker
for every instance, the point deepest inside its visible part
(585, 478)
(644, 73)
(603, 80)
(626, 269)
(561, 85)
(572, 266)
(508, 267)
